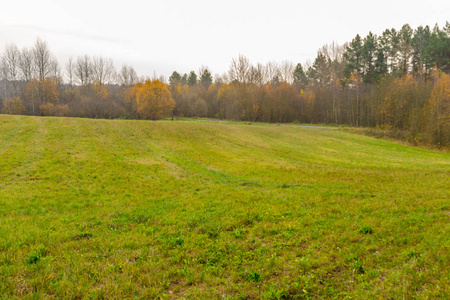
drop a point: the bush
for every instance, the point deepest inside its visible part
(13, 106)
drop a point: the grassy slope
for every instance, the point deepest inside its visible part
(124, 209)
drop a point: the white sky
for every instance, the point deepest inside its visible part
(163, 36)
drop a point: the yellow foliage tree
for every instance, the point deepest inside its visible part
(399, 94)
(12, 106)
(437, 112)
(129, 99)
(154, 100)
(100, 89)
(37, 93)
(227, 97)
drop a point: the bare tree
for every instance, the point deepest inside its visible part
(4, 79)
(103, 70)
(240, 69)
(257, 74)
(83, 70)
(273, 73)
(163, 79)
(10, 69)
(287, 71)
(55, 72)
(127, 76)
(220, 79)
(26, 64)
(10, 59)
(334, 51)
(43, 60)
(70, 69)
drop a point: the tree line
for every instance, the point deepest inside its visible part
(397, 81)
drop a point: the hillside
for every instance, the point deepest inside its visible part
(123, 209)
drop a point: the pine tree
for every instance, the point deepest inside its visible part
(192, 79)
(321, 68)
(184, 79)
(420, 58)
(300, 78)
(206, 78)
(405, 48)
(175, 78)
(369, 50)
(353, 54)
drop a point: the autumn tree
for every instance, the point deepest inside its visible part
(226, 97)
(100, 90)
(437, 112)
(13, 106)
(394, 108)
(50, 109)
(37, 94)
(154, 100)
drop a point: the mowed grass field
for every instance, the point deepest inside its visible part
(119, 209)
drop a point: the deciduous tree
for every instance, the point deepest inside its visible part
(437, 112)
(154, 100)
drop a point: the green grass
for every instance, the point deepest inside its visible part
(199, 210)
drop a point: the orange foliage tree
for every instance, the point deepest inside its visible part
(154, 100)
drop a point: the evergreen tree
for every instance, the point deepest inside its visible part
(393, 40)
(384, 50)
(405, 48)
(321, 68)
(184, 79)
(353, 54)
(175, 78)
(380, 67)
(206, 78)
(420, 58)
(300, 78)
(192, 79)
(369, 50)
(439, 48)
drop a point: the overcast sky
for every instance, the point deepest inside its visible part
(163, 36)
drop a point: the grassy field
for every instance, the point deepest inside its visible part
(95, 209)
